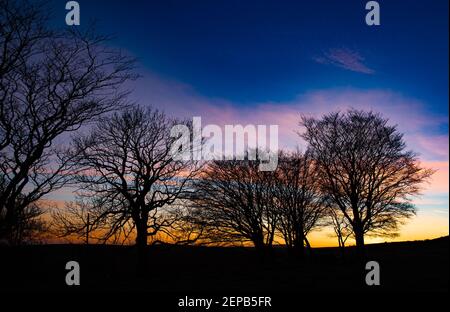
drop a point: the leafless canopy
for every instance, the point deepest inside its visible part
(50, 83)
(365, 170)
(299, 201)
(233, 201)
(131, 183)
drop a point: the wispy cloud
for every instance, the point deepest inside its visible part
(421, 129)
(344, 58)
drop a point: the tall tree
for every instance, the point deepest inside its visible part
(365, 170)
(131, 179)
(51, 83)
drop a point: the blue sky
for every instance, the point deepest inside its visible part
(268, 61)
(251, 51)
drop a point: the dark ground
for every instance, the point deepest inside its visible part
(407, 266)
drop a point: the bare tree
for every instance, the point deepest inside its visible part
(50, 83)
(341, 227)
(233, 202)
(29, 227)
(364, 168)
(131, 181)
(298, 198)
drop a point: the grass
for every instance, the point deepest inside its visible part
(405, 266)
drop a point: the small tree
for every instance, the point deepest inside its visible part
(298, 198)
(233, 202)
(341, 227)
(365, 170)
(131, 181)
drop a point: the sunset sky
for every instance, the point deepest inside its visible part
(268, 62)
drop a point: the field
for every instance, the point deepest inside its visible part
(406, 266)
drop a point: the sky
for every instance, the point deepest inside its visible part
(268, 62)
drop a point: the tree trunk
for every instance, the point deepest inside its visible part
(260, 247)
(359, 238)
(308, 245)
(258, 242)
(141, 245)
(299, 245)
(341, 246)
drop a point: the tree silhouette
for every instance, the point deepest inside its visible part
(300, 204)
(131, 181)
(51, 83)
(233, 201)
(341, 227)
(365, 170)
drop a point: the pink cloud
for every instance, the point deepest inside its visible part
(438, 144)
(346, 59)
(439, 182)
(407, 113)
